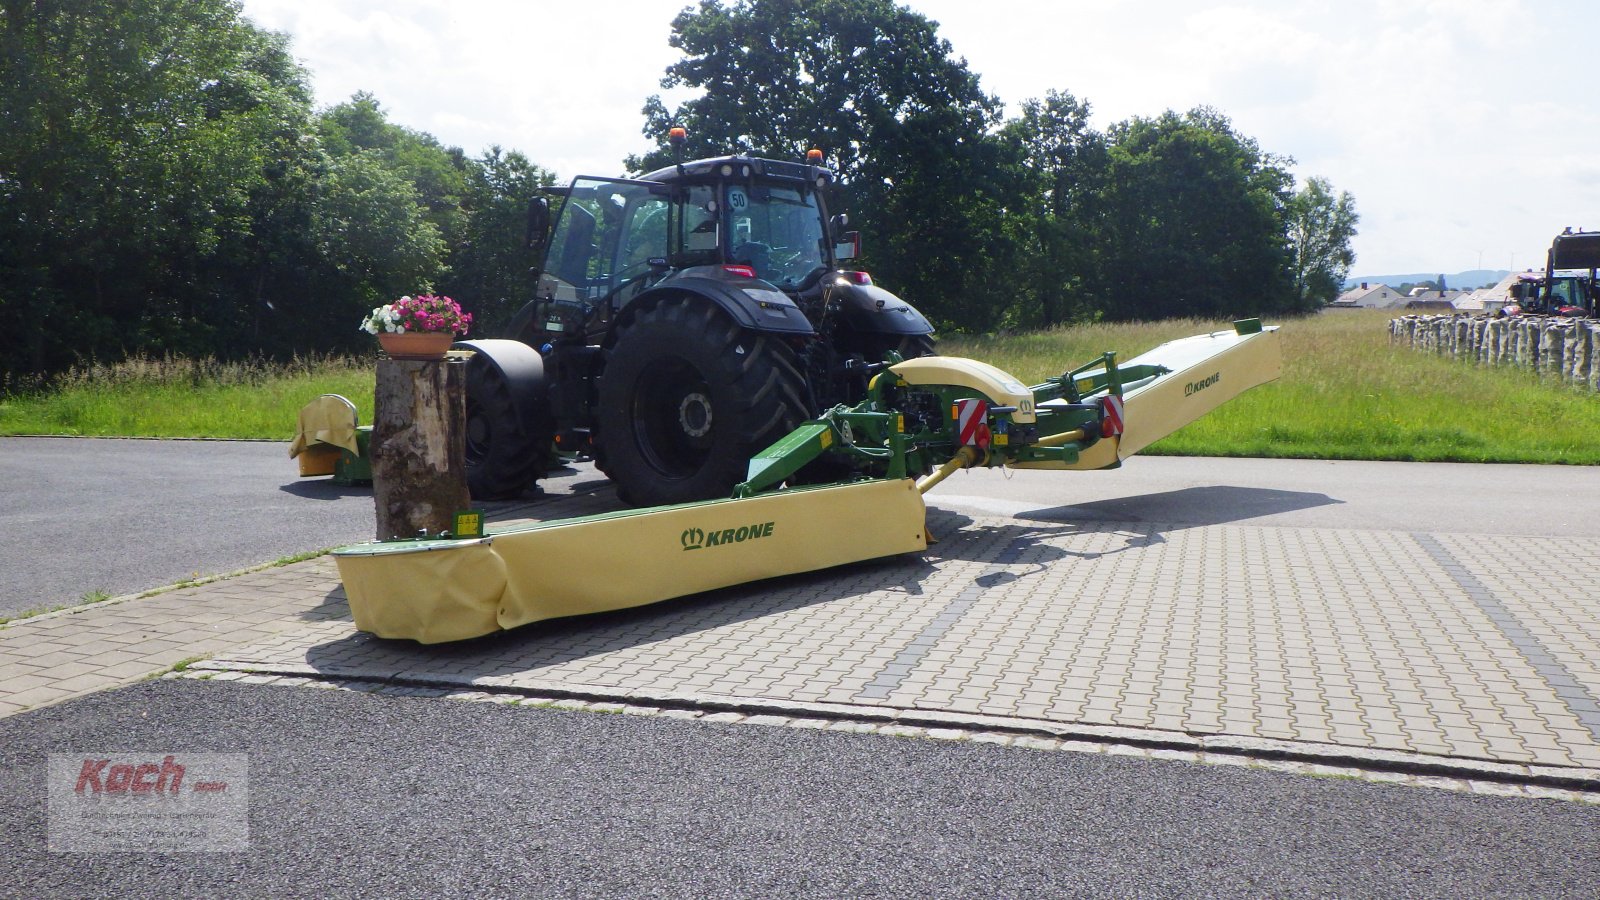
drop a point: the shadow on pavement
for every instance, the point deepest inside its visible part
(1187, 508)
(325, 489)
(540, 645)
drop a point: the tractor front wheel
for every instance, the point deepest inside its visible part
(507, 448)
(687, 397)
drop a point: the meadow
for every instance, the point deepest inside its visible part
(177, 397)
(1345, 394)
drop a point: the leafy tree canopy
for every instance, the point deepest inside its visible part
(778, 77)
(1321, 225)
(1194, 223)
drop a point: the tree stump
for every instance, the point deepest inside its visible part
(419, 446)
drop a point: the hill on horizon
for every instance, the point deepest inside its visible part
(1460, 281)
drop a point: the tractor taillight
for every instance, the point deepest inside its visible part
(857, 277)
(746, 271)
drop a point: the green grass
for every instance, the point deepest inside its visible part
(174, 397)
(1344, 394)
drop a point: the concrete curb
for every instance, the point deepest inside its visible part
(1172, 744)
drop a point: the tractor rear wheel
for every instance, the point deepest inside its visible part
(687, 397)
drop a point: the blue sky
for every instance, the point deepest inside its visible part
(1464, 128)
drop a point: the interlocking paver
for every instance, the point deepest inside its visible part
(1414, 643)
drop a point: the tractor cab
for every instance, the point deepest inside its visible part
(752, 226)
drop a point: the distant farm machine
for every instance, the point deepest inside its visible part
(1567, 287)
(773, 412)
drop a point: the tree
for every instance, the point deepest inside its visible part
(438, 174)
(489, 267)
(873, 85)
(136, 142)
(781, 76)
(1194, 220)
(1060, 165)
(371, 229)
(1321, 226)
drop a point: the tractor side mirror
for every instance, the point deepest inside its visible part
(538, 224)
(848, 246)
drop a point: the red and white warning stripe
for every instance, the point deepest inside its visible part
(972, 422)
(1111, 415)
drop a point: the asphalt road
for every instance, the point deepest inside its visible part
(1523, 501)
(121, 516)
(357, 795)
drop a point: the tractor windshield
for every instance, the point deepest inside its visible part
(1566, 290)
(615, 237)
(776, 230)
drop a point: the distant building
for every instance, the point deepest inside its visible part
(1370, 296)
(1428, 298)
(1492, 298)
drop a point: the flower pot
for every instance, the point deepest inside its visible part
(416, 344)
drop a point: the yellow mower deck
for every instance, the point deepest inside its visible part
(433, 591)
(1207, 371)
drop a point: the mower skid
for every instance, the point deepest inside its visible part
(442, 590)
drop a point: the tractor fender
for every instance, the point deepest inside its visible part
(752, 303)
(523, 370)
(867, 308)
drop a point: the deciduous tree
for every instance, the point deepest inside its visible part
(1053, 217)
(1194, 221)
(872, 85)
(136, 141)
(1321, 225)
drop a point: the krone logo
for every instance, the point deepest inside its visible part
(695, 538)
(1195, 387)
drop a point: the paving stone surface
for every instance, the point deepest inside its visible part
(1415, 643)
(49, 658)
(1382, 641)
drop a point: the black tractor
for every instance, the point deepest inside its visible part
(683, 321)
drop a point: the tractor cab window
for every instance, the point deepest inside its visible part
(608, 232)
(695, 237)
(1566, 291)
(777, 231)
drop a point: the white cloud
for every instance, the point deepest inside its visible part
(1459, 125)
